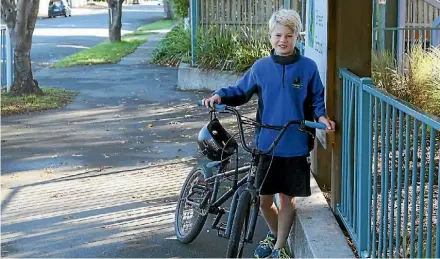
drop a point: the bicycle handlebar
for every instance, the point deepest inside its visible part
(316, 125)
(303, 123)
(217, 107)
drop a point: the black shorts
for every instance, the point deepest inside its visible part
(287, 175)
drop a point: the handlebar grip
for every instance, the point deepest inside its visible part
(217, 107)
(316, 125)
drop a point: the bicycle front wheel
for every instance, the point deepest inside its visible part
(239, 226)
(189, 217)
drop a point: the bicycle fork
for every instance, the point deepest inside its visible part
(254, 209)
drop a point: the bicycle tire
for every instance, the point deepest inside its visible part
(240, 221)
(199, 222)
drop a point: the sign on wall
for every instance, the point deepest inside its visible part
(316, 44)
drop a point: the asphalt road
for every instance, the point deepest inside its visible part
(59, 37)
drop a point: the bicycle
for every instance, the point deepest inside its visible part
(200, 190)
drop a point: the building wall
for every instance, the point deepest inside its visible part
(77, 3)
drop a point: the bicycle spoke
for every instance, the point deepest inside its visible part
(190, 213)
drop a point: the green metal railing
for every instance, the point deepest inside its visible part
(400, 40)
(390, 173)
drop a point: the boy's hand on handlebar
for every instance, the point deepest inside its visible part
(329, 123)
(209, 102)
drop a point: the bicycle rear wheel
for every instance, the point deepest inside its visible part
(189, 218)
(239, 226)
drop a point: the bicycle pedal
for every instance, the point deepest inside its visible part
(221, 229)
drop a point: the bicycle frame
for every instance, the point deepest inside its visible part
(247, 182)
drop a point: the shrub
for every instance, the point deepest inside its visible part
(180, 8)
(423, 79)
(216, 50)
(250, 47)
(230, 49)
(176, 46)
(418, 83)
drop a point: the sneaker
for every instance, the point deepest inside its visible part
(279, 253)
(264, 249)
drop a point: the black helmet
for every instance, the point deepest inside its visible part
(215, 142)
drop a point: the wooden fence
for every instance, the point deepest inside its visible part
(237, 13)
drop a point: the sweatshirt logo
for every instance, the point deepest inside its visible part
(297, 83)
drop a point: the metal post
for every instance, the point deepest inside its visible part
(435, 33)
(401, 11)
(110, 16)
(381, 25)
(9, 60)
(287, 4)
(303, 13)
(374, 30)
(364, 169)
(193, 30)
(2, 57)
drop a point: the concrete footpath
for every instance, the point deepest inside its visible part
(100, 177)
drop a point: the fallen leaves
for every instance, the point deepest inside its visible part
(48, 170)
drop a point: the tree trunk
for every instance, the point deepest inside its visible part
(20, 17)
(24, 82)
(167, 9)
(115, 24)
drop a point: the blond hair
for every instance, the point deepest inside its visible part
(286, 17)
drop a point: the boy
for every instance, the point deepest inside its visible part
(283, 82)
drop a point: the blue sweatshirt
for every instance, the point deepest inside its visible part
(285, 86)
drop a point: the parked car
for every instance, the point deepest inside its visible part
(59, 8)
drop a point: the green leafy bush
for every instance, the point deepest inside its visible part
(229, 49)
(180, 8)
(217, 48)
(176, 46)
(250, 46)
